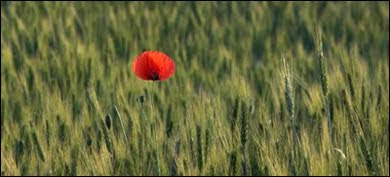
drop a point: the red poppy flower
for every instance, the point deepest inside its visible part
(153, 65)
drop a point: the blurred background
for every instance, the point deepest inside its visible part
(65, 65)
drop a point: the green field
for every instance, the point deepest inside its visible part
(233, 106)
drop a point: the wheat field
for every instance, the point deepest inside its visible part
(260, 88)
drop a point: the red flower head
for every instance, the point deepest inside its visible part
(153, 65)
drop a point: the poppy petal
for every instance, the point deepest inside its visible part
(153, 65)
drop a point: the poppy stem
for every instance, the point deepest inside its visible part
(154, 129)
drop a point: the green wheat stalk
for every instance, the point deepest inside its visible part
(289, 99)
(199, 147)
(233, 163)
(41, 155)
(207, 143)
(48, 133)
(118, 115)
(74, 162)
(244, 136)
(107, 138)
(324, 80)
